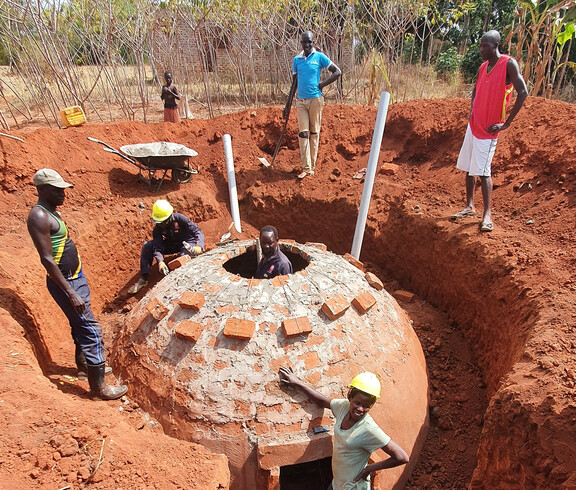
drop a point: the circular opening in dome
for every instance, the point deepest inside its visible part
(245, 265)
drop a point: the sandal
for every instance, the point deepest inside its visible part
(463, 214)
(486, 226)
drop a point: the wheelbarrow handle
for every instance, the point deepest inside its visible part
(120, 154)
(89, 138)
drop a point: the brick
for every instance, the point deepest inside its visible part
(236, 328)
(178, 262)
(157, 308)
(374, 281)
(335, 307)
(363, 302)
(405, 296)
(279, 281)
(354, 261)
(311, 359)
(273, 454)
(296, 326)
(319, 246)
(189, 330)
(192, 301)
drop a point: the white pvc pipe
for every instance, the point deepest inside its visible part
(231, 182)
(370, 174)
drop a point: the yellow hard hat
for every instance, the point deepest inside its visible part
(161, 211)
(368, 383)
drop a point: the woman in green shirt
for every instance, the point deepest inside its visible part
(356, 434)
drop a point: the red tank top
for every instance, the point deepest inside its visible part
(491, 99)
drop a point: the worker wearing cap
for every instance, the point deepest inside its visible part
(173, 233)
(66, 282)
(356, 434)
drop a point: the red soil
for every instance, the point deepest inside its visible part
(495, 312)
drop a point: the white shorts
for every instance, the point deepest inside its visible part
(476, 155)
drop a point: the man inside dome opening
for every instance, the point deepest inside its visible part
(274, 262)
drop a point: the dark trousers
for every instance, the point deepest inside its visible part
(147, 254)
(86, 331)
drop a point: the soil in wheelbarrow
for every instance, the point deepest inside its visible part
(494, 311)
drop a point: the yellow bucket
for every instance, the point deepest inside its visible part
(72, 116)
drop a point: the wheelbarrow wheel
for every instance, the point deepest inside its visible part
(180, 175)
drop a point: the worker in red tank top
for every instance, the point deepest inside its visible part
(497, 77)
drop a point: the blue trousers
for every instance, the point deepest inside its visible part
(147, 254)
(86, 331)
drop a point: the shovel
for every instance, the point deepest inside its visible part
(228, 233)
(265, 162)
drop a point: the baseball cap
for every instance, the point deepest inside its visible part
(47, 176)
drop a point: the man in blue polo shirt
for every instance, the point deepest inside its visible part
(306, 69)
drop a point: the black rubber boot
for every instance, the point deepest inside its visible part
(82, 365)
(99, 387)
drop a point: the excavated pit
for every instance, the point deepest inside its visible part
(203, 348)
(502, 405)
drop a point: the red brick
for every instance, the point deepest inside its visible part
(178, 262)
(311, 359)
(335, 307)
(254, 282)
(192, 301)
(288, 241)
(157, 308)
(317, 245)
(354, 261)
(236, 328)
(272, 454)
(405, 296)
(374, 281)
(363, 302)
(296, 326)
(279, 281)
(189, 330)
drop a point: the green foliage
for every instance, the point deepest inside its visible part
(470, 63)
(448, 62)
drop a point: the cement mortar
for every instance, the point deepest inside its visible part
(224, 392)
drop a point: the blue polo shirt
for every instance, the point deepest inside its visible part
(307, 70)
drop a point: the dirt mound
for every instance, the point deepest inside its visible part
(509, 295)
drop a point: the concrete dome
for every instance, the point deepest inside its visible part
(203, 348)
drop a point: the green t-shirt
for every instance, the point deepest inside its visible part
(353, 447)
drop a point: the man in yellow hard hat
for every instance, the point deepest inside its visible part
(356, 434)
(173, 233)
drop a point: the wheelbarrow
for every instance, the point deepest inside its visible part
(155, 159)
